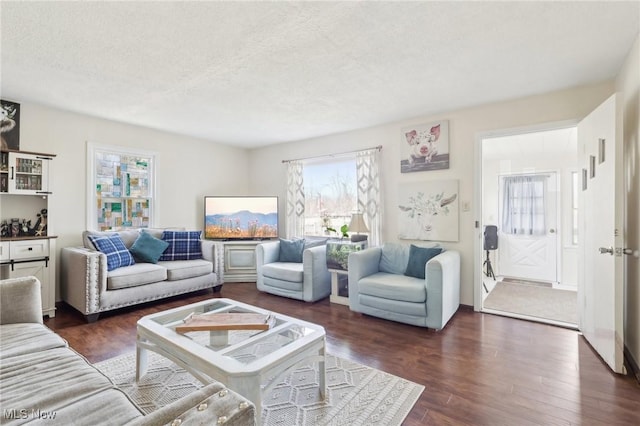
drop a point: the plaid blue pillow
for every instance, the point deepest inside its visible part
(183, 245)
(113, 246)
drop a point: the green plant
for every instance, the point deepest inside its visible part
(338, 256)
(344, 229)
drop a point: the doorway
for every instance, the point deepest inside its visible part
(528, 194)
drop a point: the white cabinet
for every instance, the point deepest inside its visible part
(25, 173)
(25, 189)
(28, 249)
(4, 251)
(240, 261)
(25, 257)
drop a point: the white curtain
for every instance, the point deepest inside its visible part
(295, 200)
(523, 205)
(369, 204)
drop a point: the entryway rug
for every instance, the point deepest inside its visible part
(356, 394)
(535, 301)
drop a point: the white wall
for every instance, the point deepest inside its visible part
(267, 173)
(628, 88)
(187, 170)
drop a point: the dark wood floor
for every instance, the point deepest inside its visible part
(480, 370)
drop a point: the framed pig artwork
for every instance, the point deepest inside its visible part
(425, 147)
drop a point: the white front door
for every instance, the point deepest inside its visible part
(600, 237)
(532, 257)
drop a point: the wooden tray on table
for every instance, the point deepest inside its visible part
(226, 321)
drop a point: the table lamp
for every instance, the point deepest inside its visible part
(357, 225)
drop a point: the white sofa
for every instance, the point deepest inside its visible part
(43, 381)
(90, 288)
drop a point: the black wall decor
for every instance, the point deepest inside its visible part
(10, 125)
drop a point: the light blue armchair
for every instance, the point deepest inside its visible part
(309, 280)
(378, 286)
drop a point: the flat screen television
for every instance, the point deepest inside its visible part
(240, 217)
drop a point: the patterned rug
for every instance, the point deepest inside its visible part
(356, 394)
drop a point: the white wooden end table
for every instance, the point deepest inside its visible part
(339, 286)
(248, 362)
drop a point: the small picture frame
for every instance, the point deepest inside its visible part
(15, 227)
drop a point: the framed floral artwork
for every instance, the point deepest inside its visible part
(428, 211)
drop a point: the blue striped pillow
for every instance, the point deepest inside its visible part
(115, 250)
(183, 245)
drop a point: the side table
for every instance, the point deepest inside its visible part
(338, 265)
(339, 286)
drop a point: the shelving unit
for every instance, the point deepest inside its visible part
(25, 190)
(24, 173)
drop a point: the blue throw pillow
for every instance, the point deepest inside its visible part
(183, 245)
(418, 258)
(113, 246)
(291, 250)
(148, 248)
(393, 259)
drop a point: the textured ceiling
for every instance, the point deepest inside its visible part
(258, 73)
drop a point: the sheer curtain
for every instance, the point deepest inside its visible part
(368, 175)
(523, 205)
(295, 200)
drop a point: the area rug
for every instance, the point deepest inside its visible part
(534, 300)
(356, 394)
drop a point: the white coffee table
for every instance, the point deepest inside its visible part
(249, 362)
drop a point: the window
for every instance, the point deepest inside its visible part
(330, 194)
(337, 188)
(523, 210)
(120, 188)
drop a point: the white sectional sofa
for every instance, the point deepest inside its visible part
(43, 381)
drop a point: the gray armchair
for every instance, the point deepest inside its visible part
(309, 281)
(20, 300)
(379, 287)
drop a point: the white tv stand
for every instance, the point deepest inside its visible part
(240, 260)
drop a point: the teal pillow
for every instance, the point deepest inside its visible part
(148, 248)
(418, 258)
(291, 250)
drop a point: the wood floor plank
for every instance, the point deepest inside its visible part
(480, 370)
